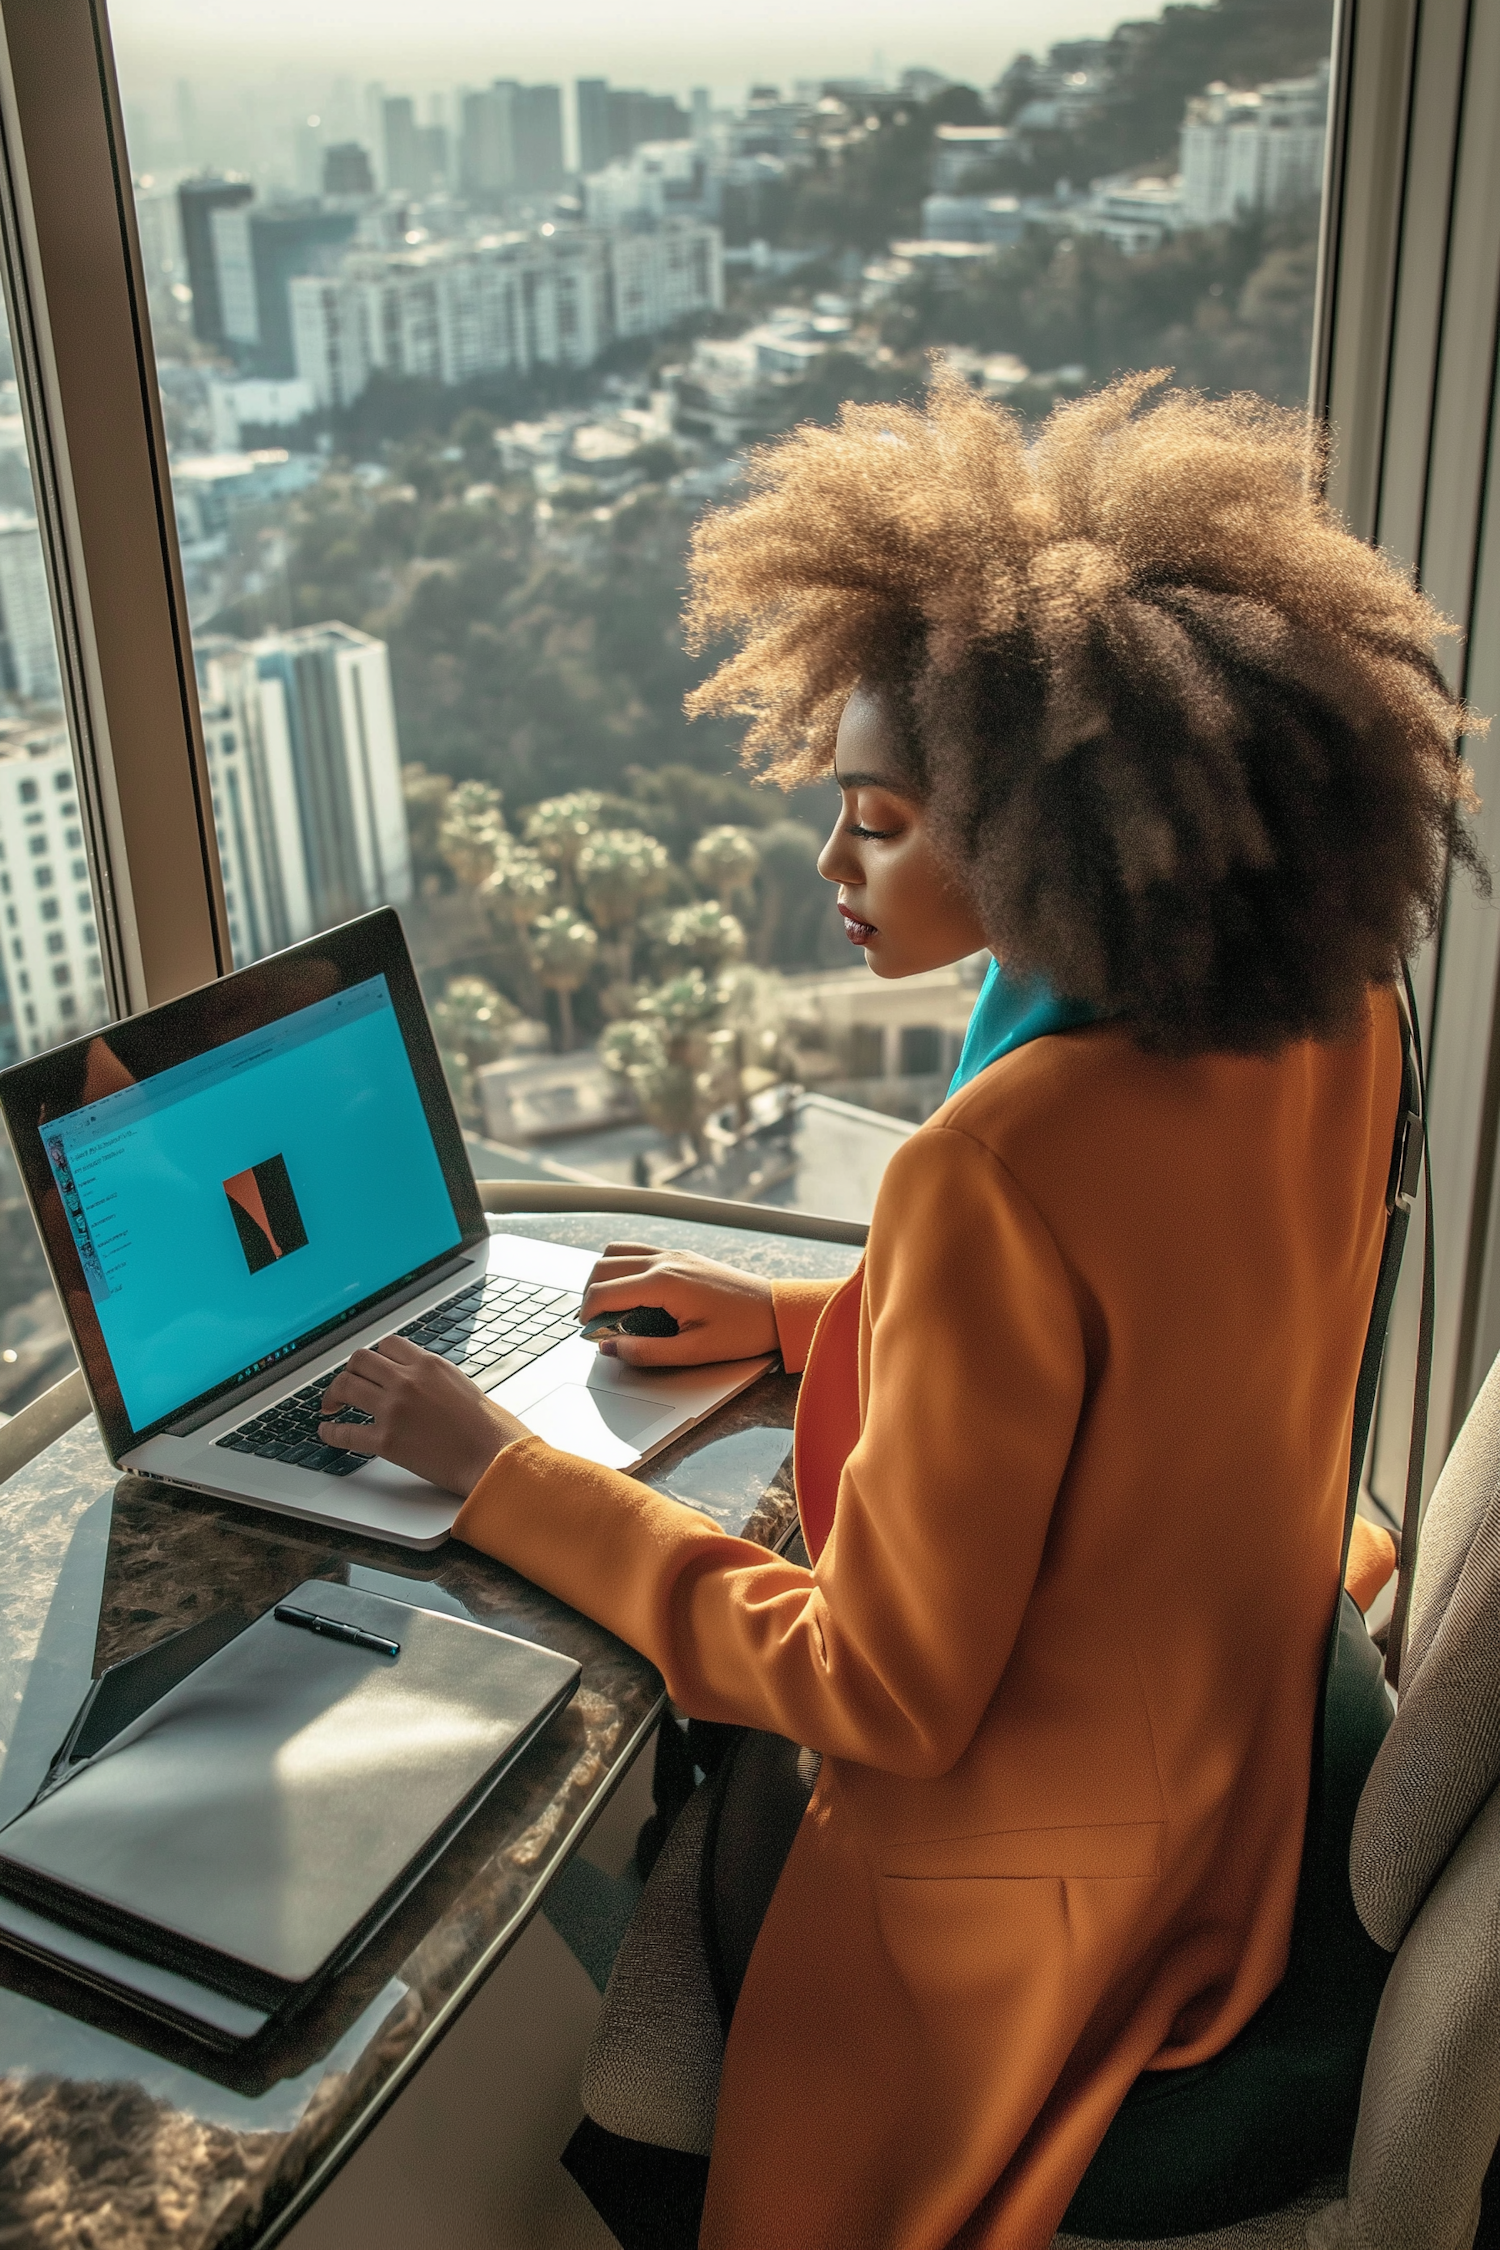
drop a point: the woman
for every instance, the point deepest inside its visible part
(1130, 709)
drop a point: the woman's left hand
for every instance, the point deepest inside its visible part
(425, 1415)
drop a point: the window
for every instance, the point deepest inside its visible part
(448, 375)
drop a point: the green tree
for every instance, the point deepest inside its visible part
(519, 887)
(706, 935)
(425, 796)
(558, 829)
(620, 870)
(471, 1024)
(726, 862)
(794, 898)
(564, 948)
(472, 833)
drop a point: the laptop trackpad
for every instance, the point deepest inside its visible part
(603, 1425)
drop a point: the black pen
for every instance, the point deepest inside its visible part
(334, 1629)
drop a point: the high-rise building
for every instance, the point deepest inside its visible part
(538, 137)
(158, 216)
(28, 644)
(258, 249)
(636, 116)
(305, 771)
(327, 690)
(701, 111)
(255, 802)
(198, 201)
(1244, 152)
(592, 95)
(434, 158)
(347, 170)
(486, 145)
(401, 159)
(52, 974)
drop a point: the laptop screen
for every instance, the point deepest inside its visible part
(232, 1208)
(284, 1167)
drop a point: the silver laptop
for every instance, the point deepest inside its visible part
(238, 1188)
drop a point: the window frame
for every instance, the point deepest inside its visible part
(86, 372)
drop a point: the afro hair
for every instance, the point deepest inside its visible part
(1180, 734)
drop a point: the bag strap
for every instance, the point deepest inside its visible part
(1420, 1153)
(1407, 1151)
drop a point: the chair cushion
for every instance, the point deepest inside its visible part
(1441, 1759)
(652, 2069)
(1462, 1497)
(1429, 2115)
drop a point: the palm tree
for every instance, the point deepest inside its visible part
(519, 887)
(725, 860)
(472, 833)
(707, 934)
(559, 828)
(619, 871)
(471, 1024)
(564, 948)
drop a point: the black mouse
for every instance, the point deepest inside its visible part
(635, 1320)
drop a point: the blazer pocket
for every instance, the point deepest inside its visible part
(1118, 1850)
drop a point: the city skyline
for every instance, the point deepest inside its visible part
(161, 42)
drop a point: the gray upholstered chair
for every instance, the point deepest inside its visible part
(1425, 1867)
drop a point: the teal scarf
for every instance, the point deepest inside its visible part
(1007, 1015)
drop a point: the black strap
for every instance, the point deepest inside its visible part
(1407, 1151)
(1411, 1511)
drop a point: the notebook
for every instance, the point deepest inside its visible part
(236, 1844)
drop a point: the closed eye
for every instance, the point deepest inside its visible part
(854, 829)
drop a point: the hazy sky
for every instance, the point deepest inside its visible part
(666, 44)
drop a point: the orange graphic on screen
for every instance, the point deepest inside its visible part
(265, 1211)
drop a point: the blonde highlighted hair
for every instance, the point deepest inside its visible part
(1181, 735)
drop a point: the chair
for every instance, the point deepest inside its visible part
(1425, 1870)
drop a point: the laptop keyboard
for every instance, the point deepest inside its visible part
(490, 1330)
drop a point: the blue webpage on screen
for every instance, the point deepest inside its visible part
(236, 1203)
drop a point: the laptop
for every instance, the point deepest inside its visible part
(238, 1188)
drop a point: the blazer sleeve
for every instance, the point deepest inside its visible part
(889, 1650)
(798, 1306)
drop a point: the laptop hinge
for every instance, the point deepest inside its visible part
(320, 1348)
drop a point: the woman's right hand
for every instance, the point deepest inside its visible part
(720, 1312)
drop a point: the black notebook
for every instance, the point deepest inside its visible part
(238, 1841)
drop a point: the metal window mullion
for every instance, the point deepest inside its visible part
(76, 297)
(20, 275)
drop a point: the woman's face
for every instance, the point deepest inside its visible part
(898, 901)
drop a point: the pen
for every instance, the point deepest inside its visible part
(334, 1630)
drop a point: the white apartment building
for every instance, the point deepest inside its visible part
(255, 801)
(664, 276)
(654, 182)
(1258, 151)
(973, 218)
(958, 149)
(28, 645)
(305, 769)
(450, 311)
(53, 981)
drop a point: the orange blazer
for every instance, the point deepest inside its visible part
(1072, 1448)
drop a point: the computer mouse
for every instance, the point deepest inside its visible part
(632, 1320)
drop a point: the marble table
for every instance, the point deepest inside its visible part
(119, 2136)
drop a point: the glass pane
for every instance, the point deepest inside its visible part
(51, 979)
(456, 345)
